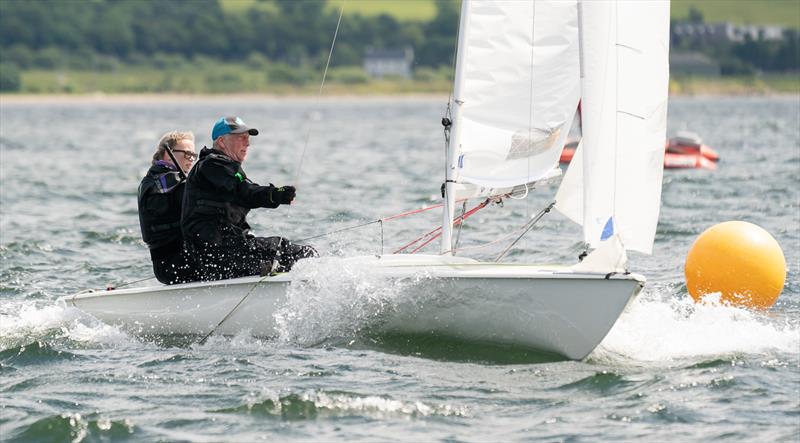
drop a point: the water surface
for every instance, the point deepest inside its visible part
(669, 370)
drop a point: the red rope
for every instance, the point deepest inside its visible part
(416, 211)
(415, 241)
(412, 212)
(437, 232)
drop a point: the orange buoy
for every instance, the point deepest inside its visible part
(740, 261)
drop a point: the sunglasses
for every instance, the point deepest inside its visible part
(188, 155)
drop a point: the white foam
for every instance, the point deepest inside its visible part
(95, 332)
(242, 341)
(25, 321)
(381, 406)
(660, 327)
(336, 298)
(340, 403)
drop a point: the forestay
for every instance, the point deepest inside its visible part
(613, 184)
(517, 89)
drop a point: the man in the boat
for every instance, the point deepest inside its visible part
(160, 199)
(218, 197)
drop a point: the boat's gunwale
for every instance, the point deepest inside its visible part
(464, 269)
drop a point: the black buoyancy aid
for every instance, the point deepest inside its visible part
(160, 199)
(218, 198)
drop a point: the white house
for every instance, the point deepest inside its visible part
(380, 63)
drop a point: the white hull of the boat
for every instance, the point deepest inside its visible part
(549, 309)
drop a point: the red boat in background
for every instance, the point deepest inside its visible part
(685, 150)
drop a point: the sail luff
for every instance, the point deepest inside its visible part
(614, 187)
(448, 208)
(600, 128)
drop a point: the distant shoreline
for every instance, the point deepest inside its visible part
(100, 98)
(151, 86)
(242, 97)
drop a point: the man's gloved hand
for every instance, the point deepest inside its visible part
(284, 195)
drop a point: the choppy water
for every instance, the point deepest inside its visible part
(669, 370)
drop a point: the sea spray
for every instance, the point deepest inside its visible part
(333, 298)
(663, 325)
(23, 322)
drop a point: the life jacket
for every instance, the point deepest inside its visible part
(209, 212)
(160, 199)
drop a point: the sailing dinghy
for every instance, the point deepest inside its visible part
(521, 69)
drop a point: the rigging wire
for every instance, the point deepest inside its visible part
(319, 95)
(526, 228)
(379, 220)
(453, 56)
(498, 240)
(460, 225)
(381, 223)
(336, 231)
(435, 233)
(261, 280)
(112, 287)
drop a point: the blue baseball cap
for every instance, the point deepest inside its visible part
(231, 125)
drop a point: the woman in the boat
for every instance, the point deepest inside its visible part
(160, 199)
(218, 197)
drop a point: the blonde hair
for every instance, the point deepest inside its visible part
(171, 139)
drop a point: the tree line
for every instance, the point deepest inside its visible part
(291, 35)
(38, 32)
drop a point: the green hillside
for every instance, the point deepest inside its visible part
(240, 6)
(766, 12)
(402, 10)
(757, 12)
(418, 10)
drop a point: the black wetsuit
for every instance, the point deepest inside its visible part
(216, 202)
(160, 200)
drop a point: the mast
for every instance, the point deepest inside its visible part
(448, 209)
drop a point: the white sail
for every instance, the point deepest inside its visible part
(613, 186)
(517, 92)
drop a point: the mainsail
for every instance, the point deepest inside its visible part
(517, 92)
(517, 87)
(613, 184)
